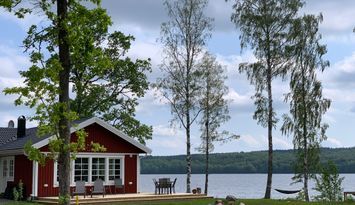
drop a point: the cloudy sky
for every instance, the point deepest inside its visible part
(142, 19)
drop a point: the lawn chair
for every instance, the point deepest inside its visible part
(165, 185)
(98, 187)
(173, 186)
(119, 184)
(157, 187)
(79, 189)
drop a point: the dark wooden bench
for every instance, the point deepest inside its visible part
(348, 192)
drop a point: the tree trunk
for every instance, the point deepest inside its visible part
(188, 154)
(64, 124)
(305, 174)
(207, 154)
(269, 127)
(305, 144)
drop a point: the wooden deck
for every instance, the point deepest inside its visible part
(113, 198)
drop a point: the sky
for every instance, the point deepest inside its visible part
(142, 19)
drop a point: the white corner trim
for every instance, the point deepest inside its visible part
(103, 124)
(34, 179)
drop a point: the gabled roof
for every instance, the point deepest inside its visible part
(10, 141)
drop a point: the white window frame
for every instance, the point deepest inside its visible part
(7, 176)
(98, 169)
(108, 169)
(90, 155)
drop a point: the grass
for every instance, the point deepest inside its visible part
(211, 201)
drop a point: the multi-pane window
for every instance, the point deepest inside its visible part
(81, 169)
(11, 168)
(98, 169)
(114, 169)
(90, 168)
(4, 169)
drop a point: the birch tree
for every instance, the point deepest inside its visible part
(307, 104)
(183, 38)
(214, 106)
(264, 27)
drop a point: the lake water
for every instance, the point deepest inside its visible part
(239, 185)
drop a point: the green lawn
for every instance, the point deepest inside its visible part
(211, 202)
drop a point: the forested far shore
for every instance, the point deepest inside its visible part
(244, 162)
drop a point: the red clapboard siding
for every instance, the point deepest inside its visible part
(130, 173)
(23, 171)
(45, 177)
(110, 141)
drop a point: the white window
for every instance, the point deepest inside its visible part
(11, 168)
(98, 169)
(114, 168)
(90, 167)
(4, 168)
(81, 170)
(8, 167)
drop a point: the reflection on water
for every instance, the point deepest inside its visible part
(240, 185)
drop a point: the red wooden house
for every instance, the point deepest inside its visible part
(121, 159)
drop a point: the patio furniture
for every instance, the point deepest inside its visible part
(98, 187)
(165, 185)
(119, 184)
(79, 189)
(173, 186)
(157, 188)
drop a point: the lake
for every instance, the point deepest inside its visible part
(239, 185)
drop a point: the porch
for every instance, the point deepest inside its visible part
(114, 198)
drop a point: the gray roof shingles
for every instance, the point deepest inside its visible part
(9, 140)
(18, 143)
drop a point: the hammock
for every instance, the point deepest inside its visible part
(287, 191)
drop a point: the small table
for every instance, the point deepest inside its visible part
(165, 183)
(348, 192)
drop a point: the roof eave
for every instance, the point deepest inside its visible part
(107, 126)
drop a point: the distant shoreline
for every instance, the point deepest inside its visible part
(254, 162)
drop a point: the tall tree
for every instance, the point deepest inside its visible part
(105, 83)
(307, 104)
(64, 123)
(264, 26)
(214, 106)
(183, 38)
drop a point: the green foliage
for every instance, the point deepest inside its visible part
(15, 194)
(96, 147)
(183, 37)
(63, 199)
(214, 106)
(328, 184)
(17, 191)
(34, 154)
(265, 28)
(245, 162)
(307, 105)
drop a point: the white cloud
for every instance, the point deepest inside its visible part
(282, 143)
(251, 141)
(166, 131)
(334, 142)
(35, 18)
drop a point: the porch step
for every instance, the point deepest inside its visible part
(109, 199)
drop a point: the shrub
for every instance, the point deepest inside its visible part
(328, 184)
